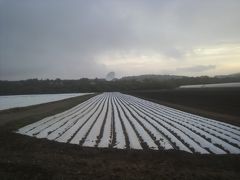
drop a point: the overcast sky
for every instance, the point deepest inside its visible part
(72, 39)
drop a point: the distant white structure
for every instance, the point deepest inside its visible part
(219, 85)
(13, 101)
(110, 76)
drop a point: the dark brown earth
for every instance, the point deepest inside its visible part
(23, 157)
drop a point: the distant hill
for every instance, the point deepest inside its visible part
(160, 78)
(235, 75)
(142, 82)
(141, 78)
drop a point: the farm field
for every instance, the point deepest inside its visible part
(215, 103)
(24, 157)
(115, 120)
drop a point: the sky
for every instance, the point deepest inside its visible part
(72, 39)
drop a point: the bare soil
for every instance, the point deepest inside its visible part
(23, 157)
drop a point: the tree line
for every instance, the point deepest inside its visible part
(39, 86)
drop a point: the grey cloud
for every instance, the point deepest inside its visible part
(64, 39)
(198, 68)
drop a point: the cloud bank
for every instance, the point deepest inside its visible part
(74, 39)
(198, 68)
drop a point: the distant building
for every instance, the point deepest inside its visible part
(217, 85)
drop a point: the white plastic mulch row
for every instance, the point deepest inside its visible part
(122, 121)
